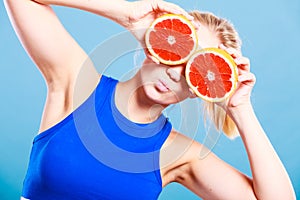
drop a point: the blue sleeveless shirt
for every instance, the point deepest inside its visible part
(97, 153)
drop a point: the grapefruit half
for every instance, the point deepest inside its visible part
(212, 74)
(171, 39)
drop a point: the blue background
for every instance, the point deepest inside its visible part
(270, 31)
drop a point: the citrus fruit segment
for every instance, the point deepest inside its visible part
(171, 39)
(212, 74)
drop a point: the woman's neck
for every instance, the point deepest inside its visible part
(133, 103)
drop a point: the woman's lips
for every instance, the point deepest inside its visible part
(161, 86)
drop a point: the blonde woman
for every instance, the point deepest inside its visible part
(125, 154)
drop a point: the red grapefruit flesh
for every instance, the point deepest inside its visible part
(212, 74)
(171, 39)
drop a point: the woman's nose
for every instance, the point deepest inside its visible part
(176, 73)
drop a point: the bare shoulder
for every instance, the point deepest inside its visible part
(62, 102)
(208, 176)
(69, 73)
(176, 155)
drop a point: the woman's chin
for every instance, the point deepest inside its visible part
(154, 94)
(159, 96)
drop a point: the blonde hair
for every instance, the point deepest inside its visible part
(229, 37)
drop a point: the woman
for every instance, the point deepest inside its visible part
(71, 157)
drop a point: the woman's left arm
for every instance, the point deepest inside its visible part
(270, 179)
(212, 178)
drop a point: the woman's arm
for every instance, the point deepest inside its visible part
(56, 54)
(113, 9)
(212, 178)
(135, 16)
(270, 179)
(52, 48)
(59, 57)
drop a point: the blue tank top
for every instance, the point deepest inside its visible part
(97, 153)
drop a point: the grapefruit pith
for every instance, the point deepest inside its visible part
(212, 74)
(171, 39)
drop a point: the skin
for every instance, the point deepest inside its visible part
(153, 88)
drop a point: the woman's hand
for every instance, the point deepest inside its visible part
(246, 81)
(142, 13)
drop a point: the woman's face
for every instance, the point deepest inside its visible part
(167, 84)
(164, 84)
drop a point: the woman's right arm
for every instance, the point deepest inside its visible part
(56, 54)
(51, 47)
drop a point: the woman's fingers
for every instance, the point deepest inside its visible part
(244, 61)
(142, 14)
(247, 79)
(233, 52)
(243, 64)
(164, 6)
(143, 8)
(167, 7)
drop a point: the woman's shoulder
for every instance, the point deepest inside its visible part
(182, 143)
(60, 104)
(177, 152)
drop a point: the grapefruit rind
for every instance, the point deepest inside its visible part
(234, 75)
(193, 35)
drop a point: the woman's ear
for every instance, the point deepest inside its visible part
(192, 94)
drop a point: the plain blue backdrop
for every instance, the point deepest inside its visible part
(270, 31)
